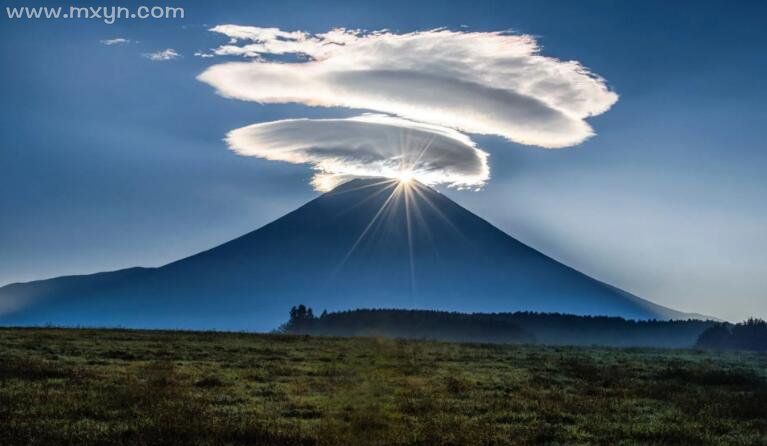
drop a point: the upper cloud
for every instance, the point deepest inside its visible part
(478, 82)
(367, 146)
(167, 54)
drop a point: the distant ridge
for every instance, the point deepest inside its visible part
(371, 243)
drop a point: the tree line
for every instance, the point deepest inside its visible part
(409, 324)
(526, 327)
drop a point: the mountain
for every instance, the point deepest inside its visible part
(369, 243)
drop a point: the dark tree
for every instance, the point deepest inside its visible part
(750, 335)
(717, 337)
(301, 319)
(747, 335)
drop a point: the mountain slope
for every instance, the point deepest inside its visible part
(368, 243)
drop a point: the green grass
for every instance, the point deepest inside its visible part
(71, 386)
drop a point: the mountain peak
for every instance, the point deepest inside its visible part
(363, 182)
(376, 182)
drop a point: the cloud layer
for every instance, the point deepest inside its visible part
(367, 146)
(478, 82)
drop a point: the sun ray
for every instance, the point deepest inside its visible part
(426, 147)
(420, 220)
(405, 186)
(389, 182)
(365, 186)
(365, 231)
(439, 213)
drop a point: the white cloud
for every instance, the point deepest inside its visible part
(237, 32)
(367, 146)
(478, 82)
(117, 41)
(167, 54)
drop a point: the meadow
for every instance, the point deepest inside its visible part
(108, 386)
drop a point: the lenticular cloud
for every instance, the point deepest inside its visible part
(478, 82)
(367, 146)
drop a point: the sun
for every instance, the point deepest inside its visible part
(405, 177)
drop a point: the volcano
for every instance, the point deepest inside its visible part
(369, 243)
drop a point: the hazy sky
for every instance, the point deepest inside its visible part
(112, 153)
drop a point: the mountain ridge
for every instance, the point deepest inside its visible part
(369, 241)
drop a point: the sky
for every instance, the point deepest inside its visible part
(140, 151)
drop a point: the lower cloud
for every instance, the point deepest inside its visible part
(367, 146)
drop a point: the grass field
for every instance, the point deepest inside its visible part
(72, 386)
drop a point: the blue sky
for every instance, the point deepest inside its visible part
(109, 159)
